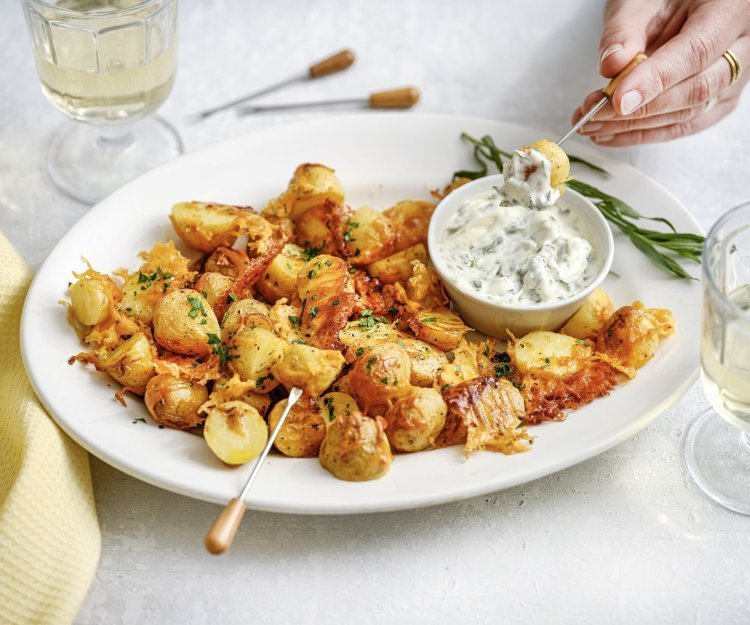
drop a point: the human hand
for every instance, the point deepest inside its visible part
(684, 85)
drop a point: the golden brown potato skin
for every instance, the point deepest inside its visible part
(356, 448)
(205, 226)
(174, 403)
(303, 431)
(365, 236)
(591, 317)
(212, 285)
(380, 374)
(131, 363)
(178, 323)
(415, 420)
(245, 313)
(397, 267)
(438, 326)
(254, 353)
(409, 220)
(632, 335)
(280, 279)
(309, 368)
(93, 298)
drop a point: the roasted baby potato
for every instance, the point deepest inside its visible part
(174, 402)
(310, 186)
(630, 338)
(549, 354)
(93, 297)
(205, 226)
(438, 326)
(356, 448)
(311, 369)
(415, 420)
(336, 403)
(303, 431)
(131, 363)
(557, 158)
(410, 220)
(327, 296)
(212, 285)
(397, 267)
(486, 412)
(254, 352)
(313, 228)
(245, 313)
(184, 323)
(591, 317)
(285, 319)
(366, 236)
(280, 279)
(426, 361)
(235, 432)
(380, 374)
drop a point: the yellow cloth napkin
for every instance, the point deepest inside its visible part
(49, 534)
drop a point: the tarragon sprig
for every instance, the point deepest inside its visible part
(616, 211)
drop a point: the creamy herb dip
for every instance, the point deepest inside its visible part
(515, 255)
(527, 180)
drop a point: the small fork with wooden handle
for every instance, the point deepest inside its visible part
(219, 538)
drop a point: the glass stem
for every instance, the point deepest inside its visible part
(115, 138)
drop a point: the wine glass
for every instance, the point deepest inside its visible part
(107, 64)
(717, 444)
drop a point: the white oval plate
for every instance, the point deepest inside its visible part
(380, 159)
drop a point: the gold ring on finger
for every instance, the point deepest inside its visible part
(734, 66)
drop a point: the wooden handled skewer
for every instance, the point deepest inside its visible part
(403, 98)
(608, 92)
(336, 63)
(219, 538)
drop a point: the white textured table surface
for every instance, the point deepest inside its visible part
(622, 538)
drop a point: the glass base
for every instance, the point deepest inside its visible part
(89, 162)
(717, 458)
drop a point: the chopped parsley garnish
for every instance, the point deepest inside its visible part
(311, 274)
(349, 236)
(360, 351)
(335, 303)
(294, 320)
(220, 350)
(150, 278)
(352, 270)
(371, 362)
(429, 320)
(384, 381)
(311, 252)
(393, 310)
(313, 312)
(367, 319)
(299, 341)
(231, 298)
(582, 342)
(328, 401)
(196, 307)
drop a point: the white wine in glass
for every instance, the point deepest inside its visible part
(717, 444)
(108, 64)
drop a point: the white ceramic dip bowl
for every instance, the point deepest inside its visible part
(496, 318)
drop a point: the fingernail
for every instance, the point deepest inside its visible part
(603, 138)
(630, 101)
(590, 128)
(615, 47)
